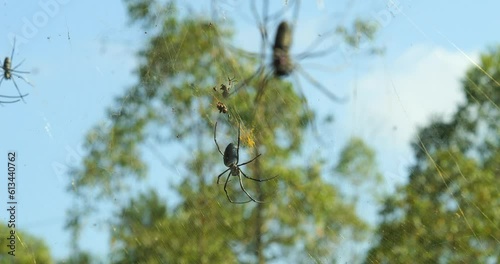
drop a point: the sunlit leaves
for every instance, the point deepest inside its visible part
(27, 248)
(482, 83)
(360, 35)
(147, 11)
(357, 161)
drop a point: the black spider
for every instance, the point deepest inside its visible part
(9, 72)
(231, 158)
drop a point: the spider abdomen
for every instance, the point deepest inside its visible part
(282, 62)
(283, 39)
(6, 68)
(230, 155)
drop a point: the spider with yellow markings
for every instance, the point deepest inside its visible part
(231, 159)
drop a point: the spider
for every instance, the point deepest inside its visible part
(222, 107)
(282, 64)
(231, 159)
(9, 72)
(225, 88)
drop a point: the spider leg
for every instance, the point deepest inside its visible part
(262, 87)
(261, 24)
(20, 95)
(238, 148)
(319, 53)
(247, 81)
(282, 11)
(227, 195)
(9, 102)
(245, 191)
(8, 96)
(307, 109)
(218, 177)
(258, 180)
(245, 163)
(21, 77)
(295, 17)
(13, 96)
(318, 85)
(215, 131)
(312, 52)
(13, 49)
(16, 71)
(19, 64)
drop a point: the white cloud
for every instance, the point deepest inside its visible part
(393, 101)
(423, 82)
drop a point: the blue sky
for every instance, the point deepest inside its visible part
(76, 78)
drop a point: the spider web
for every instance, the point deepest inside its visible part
(389, 98)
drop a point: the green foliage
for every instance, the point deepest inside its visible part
(79, 258)
(175, 103)
(360, 35)
(448, 212)
(29, 249)
(148, 233)
(357, 161)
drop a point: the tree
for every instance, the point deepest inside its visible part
(448, 212)
(175, 105)
(80, 257)
(28, 249)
